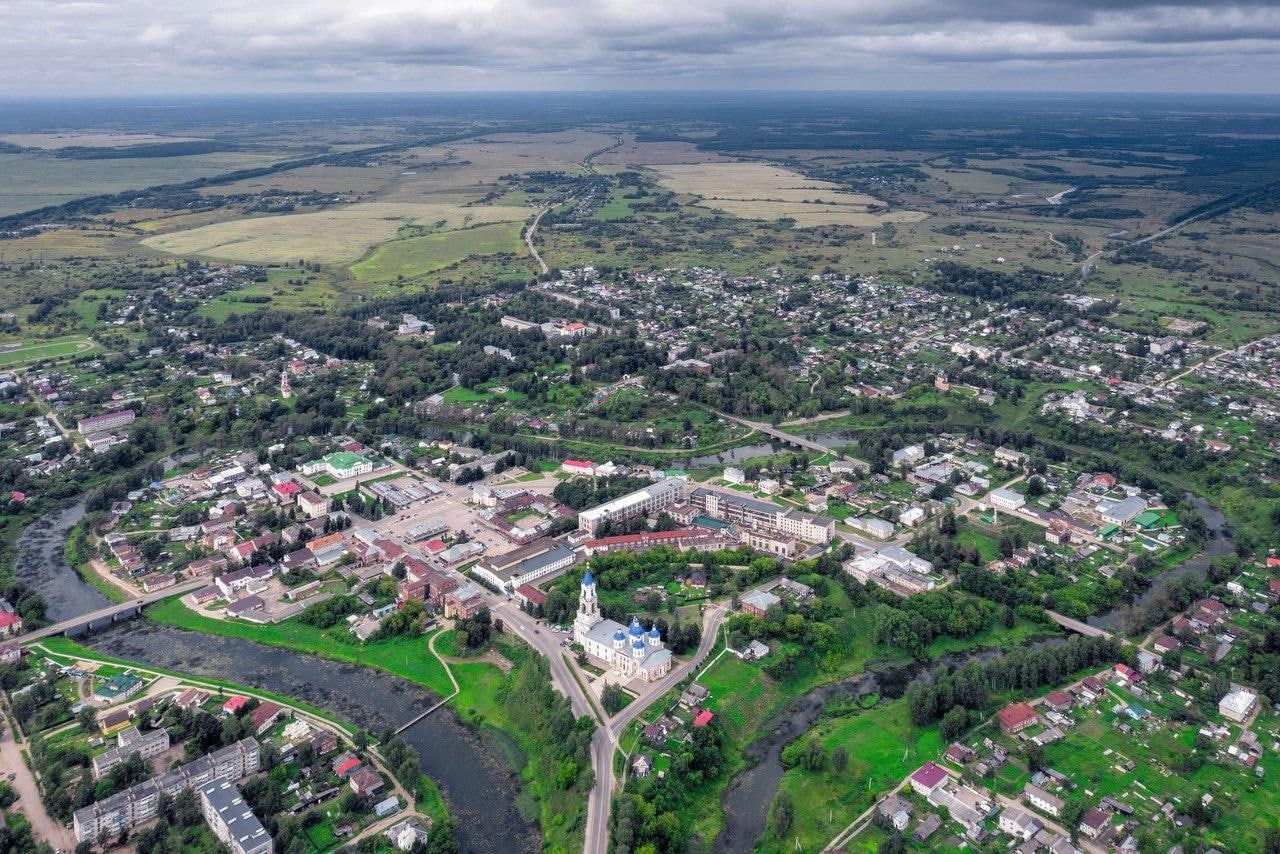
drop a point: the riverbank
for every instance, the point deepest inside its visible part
(480, 696)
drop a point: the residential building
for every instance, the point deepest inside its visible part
(129, 741)
(106, 422)
(755, 514)
(1238, 705)
(339, 465)
(1042, 800)
(1006, 499)
(1019, 824)
(928, 778)
(1016, 717)
(651, 499)
(758, 602)
(464, 602)
(231, 819)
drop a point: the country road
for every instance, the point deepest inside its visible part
(1087, 267)
(528, 239)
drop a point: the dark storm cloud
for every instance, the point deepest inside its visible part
(243, 45)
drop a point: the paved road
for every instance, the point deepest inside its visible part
(1087, 267)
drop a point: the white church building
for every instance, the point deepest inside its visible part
(627, 650)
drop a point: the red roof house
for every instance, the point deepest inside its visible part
(703, 717)
(1016, 717)
(234, 704)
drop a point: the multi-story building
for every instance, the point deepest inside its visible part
(651, 499)
(106, 422)
(137, 805)
(760, 515)
(231, 819)
(129, 741)
(526, 565)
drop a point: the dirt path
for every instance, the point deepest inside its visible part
(24, 785)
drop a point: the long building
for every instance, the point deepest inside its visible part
(651, 499)
(129, 741)
(231, 819)
(763, 515)
(137, 805)
(526, 565)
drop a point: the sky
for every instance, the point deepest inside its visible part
(88, 47)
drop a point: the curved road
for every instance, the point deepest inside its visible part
(1087, 267)
(528, 239)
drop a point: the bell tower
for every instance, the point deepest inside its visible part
(588, 607)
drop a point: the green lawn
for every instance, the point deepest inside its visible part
(55, 348)
(407, 657)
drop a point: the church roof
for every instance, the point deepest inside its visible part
(588, 578)
(635, 628)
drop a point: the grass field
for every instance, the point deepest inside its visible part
(883, 747)
(311, 292)
(761, 191)
(56, 348)
(407, 657)
(416, 256)
(337, 236)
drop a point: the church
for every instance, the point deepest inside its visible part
(627, 650)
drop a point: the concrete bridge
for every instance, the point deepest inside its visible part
(104, 617)
(1077, 626)
(791, 439)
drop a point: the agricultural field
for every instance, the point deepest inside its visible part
(761, 191)
(336, 236)
(417, 256)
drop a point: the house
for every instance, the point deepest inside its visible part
(733, 474)
(234, 704)
(1059, 701)
(1126, 674)
(1164, 643)
(1094, 823)
(406, 834)
(958, 753)
(1238, 705)
(578, 467)
(758, 602)
(264, 716)
(1019, 824)
(365, 781)
(345, 764)
(1042, 800)
(386, 807)
(1006, 499)
(10, 624)
(463, 603)
(703, 717)
(928, 778)
(927, 827)
(1092, 688)
(1016, 717)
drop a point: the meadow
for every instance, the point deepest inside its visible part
(336, 236)
(416, 256)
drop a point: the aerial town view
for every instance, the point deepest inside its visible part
(707, 427)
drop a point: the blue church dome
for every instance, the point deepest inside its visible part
(618, 635)
(654, 633)
(639, 644)
(588, 578)
(635, 627)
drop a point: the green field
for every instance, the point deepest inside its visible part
(883, 747)
(416, 256)
(407, 657)
(56, 348)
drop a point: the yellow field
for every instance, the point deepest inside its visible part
(762, 191)
(336, 236)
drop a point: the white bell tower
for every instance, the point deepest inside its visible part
(588, 607)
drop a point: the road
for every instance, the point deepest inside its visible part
(528, 240)
(24, 785)
(1087, 267)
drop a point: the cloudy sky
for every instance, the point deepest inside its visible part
(77, 47)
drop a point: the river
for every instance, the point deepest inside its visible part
(1218, 543)
(481, 790)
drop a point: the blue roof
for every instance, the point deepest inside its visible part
(588, 578)
(654, 633)
(618, 635)
(635, 628)
(638, 644)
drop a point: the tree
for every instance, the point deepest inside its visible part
(613, 698)
(954, 723)
(840, 759)
(781, 814)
